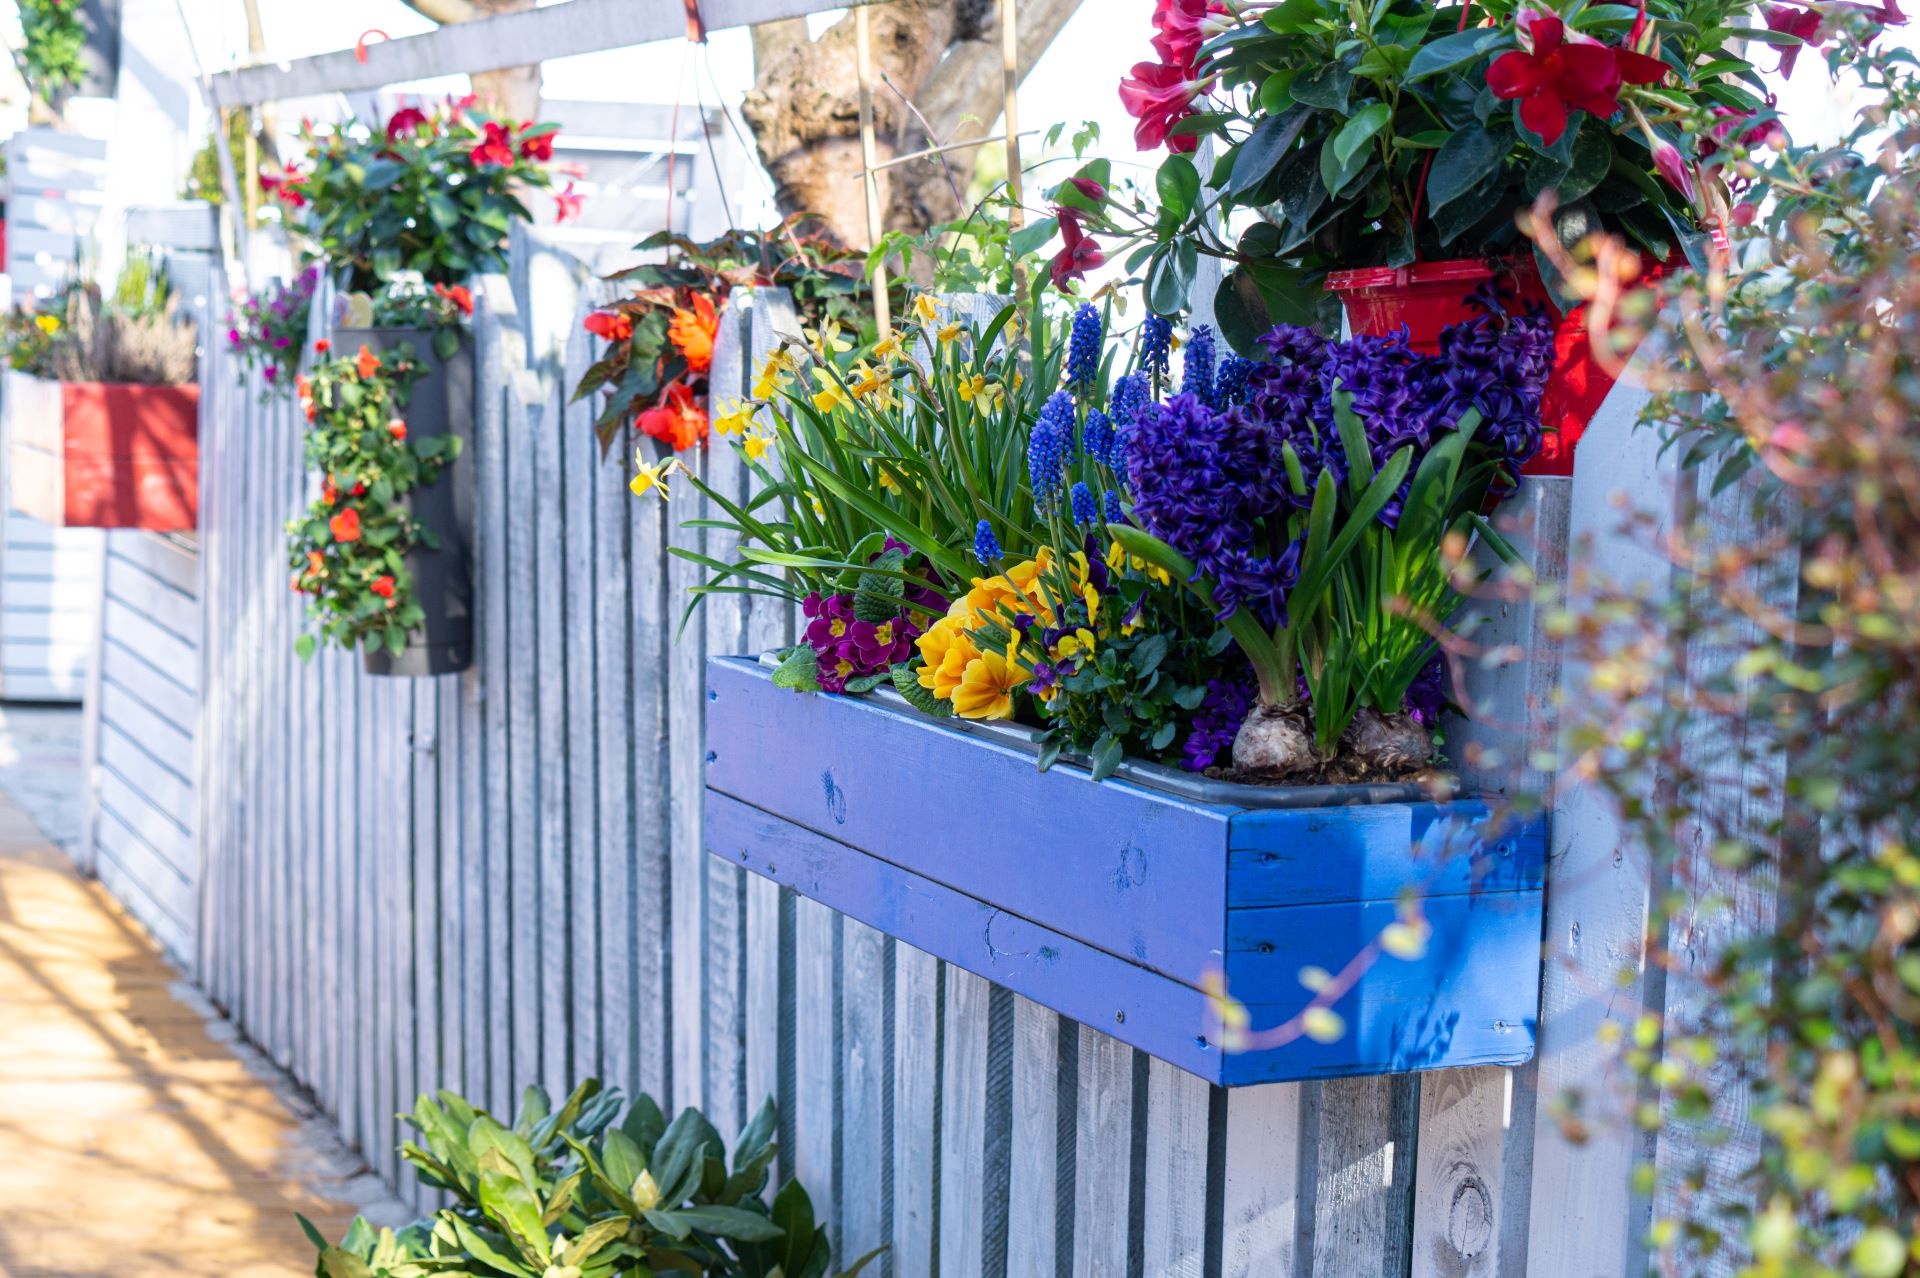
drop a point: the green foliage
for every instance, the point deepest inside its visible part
(573, 1193)
(348, 552)
(1764, 751)
(434, 194)
(55, 39)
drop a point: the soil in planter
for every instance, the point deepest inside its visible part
(1342, 769)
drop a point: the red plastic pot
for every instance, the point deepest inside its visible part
(1428, 296)
(104, 454)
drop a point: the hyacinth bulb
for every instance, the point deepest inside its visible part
(1273, 742)
(1388, 742)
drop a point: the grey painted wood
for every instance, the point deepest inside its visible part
(916, 1118)
(1175, 1209)
(1103, 1157)
(1035, 1164)
(964, 1187)
(1260, 1214)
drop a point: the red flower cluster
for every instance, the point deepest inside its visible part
(495, 148)
(406, 122)
(1161, 94)
(459, 294)
(676, 421)
(1555, 72)
(1805, 21)
(539, 146)
(610, 326)
(566, 204)
(284, 186)
(345, 526)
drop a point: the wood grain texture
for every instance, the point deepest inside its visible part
(1103, 1157)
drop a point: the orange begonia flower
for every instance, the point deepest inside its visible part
(692, 333)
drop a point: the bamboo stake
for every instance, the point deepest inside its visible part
(863, 62)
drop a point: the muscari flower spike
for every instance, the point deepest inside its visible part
(1098, 436)
(1196, 371)
(1083, 347)
(1080, 497)
(1050, 446)
(1156, 347)
(986, 547)
(1230, 384)
(1111, 500)
(1129, 393)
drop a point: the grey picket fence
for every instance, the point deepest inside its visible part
(484, 881)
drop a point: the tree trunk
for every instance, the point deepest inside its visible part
(804, 109)
(514, 93)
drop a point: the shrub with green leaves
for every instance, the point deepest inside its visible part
(584, 1192)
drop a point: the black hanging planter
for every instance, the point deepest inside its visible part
(441, 403)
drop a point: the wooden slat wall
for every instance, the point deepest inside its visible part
(497, 878)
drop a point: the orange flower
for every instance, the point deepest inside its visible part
(382, 586)
(692, 332)
(397, 428)
(613, 326)
(368, 364)
(315, 561)
(345, 526)
(458, 294)
(322, 346)
(678, 422)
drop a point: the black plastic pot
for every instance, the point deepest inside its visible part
(441, 404)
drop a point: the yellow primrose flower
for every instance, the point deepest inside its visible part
(655, 476)
(945, 650)
(986, 687)
(950, 332)
(826, 341)
(925, 309)
(831, 394)
(756, 446)
(48, 324)
(734, 419)
(775, 374)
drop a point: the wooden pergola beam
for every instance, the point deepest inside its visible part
(490, 44)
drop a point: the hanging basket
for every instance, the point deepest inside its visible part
(1428, 296)
(104, 454)
(441, 403)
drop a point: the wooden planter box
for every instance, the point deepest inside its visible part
(1109, 902)
(104, 454)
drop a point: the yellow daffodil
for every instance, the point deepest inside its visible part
(1018, 378)
(775, 374)
(989, 393)
(987, 686)
(925, 309)
(831, 394)
(867, 379)
(890, 482)
(819, 507)
(889, 346)
(648, 478)
(825, 341)
(950, 332)
(735, 418)
(756, 446)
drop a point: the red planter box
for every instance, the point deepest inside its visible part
(104, 455)
(1428, 296)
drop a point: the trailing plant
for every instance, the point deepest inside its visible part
(348, 553)
(1387, 134)
(434, 193)
(584, 1192)
(268, 330)
(28, 339)
(1758, 725)
(54, 42)
(660, 335)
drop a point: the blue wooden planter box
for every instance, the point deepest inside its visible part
(1109, 901)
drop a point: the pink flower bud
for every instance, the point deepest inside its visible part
(1667, 159)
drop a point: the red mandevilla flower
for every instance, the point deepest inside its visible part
(1183, 26)
(405, 123)
(1089, 188)
(538, 146)
(1555, 73)
(495, 149)
(1078, 254)
(1160, 96)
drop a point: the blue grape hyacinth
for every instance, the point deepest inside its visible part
(986, 547)
(1080, 497)
(1051, 446)
(1196, 370)
(1083, 347)
(1156, 347)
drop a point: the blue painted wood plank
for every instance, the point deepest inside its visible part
(1282, 857)
(1129, 871)
(1471, 999)
(1142, 1007)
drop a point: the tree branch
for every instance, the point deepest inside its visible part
(445, 12)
